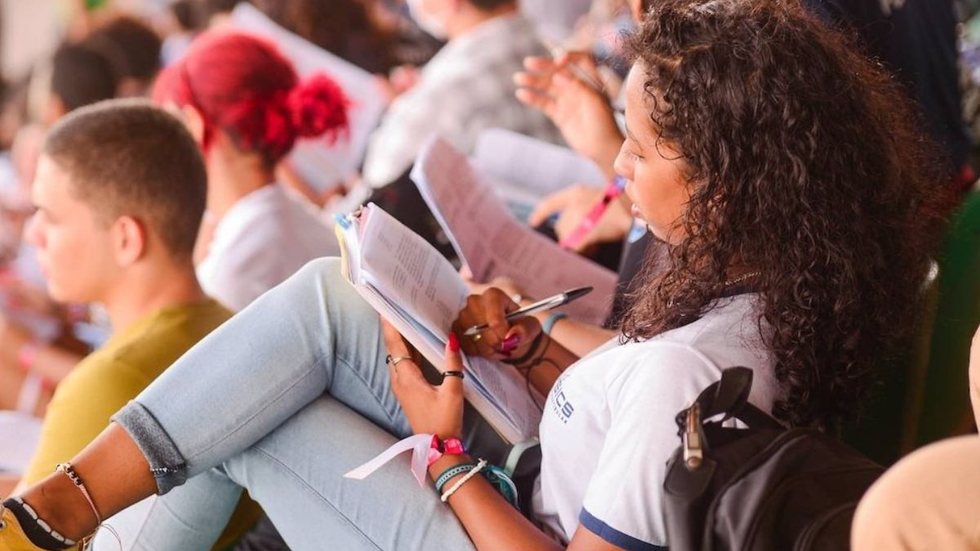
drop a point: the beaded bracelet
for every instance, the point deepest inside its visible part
(459, 483)
(495, 475)
(448, 474)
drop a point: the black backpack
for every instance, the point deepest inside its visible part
(762, 487)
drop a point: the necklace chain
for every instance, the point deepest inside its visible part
(741, 278)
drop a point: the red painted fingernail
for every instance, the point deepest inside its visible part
(453, 343)
(509, 344)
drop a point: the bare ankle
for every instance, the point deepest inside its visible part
(62, 506)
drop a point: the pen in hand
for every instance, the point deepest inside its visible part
(574, 239)
(580, 73)
(545, 304)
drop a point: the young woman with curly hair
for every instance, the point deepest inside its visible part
(785, 175)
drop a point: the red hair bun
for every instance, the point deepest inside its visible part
(242, 85)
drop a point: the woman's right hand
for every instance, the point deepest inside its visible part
(503, 339)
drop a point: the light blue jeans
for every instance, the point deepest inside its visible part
(282, 400)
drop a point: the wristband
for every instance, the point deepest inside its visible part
(495, 475)
(439, 447)
(448, 474)
(551, 320)
(459, 483)
(448, 446)
(502, 482)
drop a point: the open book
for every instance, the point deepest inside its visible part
(492, 243)
(420, 293)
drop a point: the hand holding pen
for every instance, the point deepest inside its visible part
(492, 324)
(574, 240)
(542, 305)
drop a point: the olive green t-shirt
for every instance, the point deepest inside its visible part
(103, 382)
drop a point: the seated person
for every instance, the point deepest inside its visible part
(134, 49)
(782, 258)
(119, 193)
(586, 118)
(80, 75)
(36, 342)
(928, 500)
(247, 107)
(465, 89)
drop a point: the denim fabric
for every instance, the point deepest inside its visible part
(282, 400)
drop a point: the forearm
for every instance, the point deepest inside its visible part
(575, 337)
(490, 521)
(546, 364)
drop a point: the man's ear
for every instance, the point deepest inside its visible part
(129, 240)
(54, 110)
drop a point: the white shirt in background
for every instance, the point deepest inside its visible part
(608, 426)
(465, 89)
(261, 241)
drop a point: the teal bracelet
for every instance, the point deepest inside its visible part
(551, 320)
(495, 475)
(502, 482)
(449, 473)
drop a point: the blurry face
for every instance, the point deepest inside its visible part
(74, 247)
(654, 171)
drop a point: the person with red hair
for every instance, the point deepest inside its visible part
(247, 107)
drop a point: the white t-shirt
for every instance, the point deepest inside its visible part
(262, 240)
(608, 427)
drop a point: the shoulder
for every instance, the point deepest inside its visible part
(684, 360)
(159, 341)
(101, 371)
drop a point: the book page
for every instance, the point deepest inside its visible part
(319, 162)
(411, 272)
(420, 294)
(492, 243)
(526, 169)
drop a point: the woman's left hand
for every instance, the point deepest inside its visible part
(430, 409)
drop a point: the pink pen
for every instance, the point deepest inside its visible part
(574, 239)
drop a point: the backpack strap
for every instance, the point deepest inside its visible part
(729, 397)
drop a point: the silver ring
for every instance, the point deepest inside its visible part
(393, 361)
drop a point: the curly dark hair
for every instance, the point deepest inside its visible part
(807, 165)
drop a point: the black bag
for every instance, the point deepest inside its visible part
(760, 488)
